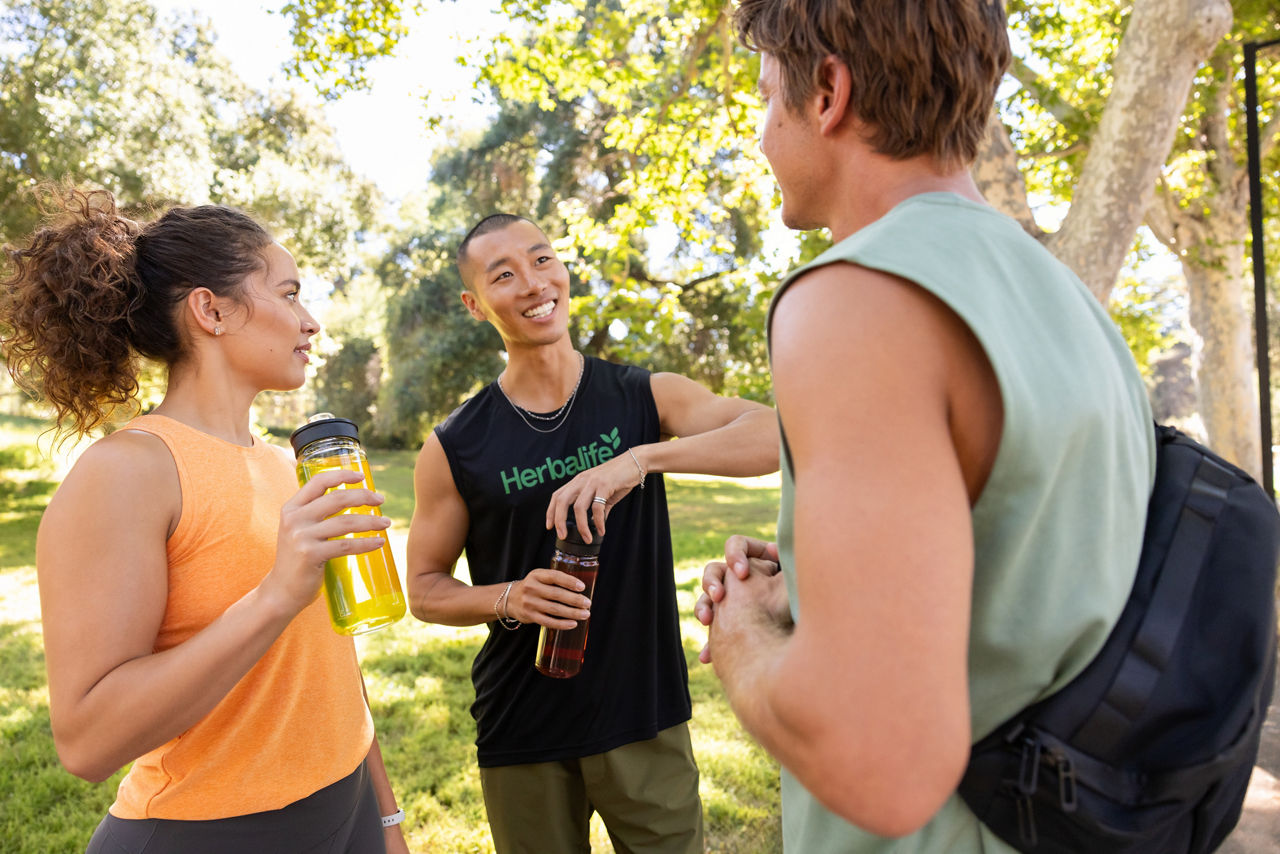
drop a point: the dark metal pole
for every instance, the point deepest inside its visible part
(1259, 256)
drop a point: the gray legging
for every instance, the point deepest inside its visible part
(339, 819)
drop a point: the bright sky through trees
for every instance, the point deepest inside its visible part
(383, 132)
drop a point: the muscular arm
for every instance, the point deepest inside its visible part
(437, 535)
(866, 699)
(715, 435)
(103, 575)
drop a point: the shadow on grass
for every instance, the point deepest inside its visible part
(21, 505)
(24, 423)
(739, 780)
(420, 687)
(393, 475)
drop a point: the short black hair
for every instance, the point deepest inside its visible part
(493, 222)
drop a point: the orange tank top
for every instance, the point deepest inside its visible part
(297, 721)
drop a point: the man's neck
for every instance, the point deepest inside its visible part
(540, 379)
(875, 184)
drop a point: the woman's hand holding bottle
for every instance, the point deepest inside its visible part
(313, 529)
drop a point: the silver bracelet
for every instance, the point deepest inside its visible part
(643, 473)
(504, 619)
(393, 819)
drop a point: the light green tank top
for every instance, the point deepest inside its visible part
(1058, 527)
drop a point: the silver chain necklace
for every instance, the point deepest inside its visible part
(562, 413)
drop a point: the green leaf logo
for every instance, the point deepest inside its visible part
(612, 439)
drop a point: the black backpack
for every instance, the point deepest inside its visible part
(1151, 747)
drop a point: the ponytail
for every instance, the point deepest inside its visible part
(65, 306)
(94, 290)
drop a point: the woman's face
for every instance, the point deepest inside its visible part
(270, 333)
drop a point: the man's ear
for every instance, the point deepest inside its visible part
(835, 82)
(473, 305)
(204, 307)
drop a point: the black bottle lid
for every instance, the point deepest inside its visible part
(322, 425)
(572, 542)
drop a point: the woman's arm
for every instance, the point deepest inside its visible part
(103, 570)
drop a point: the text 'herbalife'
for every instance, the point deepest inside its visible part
(583, 458)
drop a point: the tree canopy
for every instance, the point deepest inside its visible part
(104, 93)
(629, 128)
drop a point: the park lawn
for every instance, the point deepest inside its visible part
(418, 680)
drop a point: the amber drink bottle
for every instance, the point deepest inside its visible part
(363, 591)
(560, 651)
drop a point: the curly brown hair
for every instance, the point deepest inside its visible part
(93, 290)
(924, 72)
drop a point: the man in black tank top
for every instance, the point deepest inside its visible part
(558, 434)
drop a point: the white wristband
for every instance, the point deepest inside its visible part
(393, 819)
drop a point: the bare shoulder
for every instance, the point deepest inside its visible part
(432, 474)
(879, 334)
(667, 386)
(440, 521)
(846, 308)
(125, 463)
(847, 294)
(687, 408)
(125, 457)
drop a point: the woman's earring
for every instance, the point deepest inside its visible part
(217, 330)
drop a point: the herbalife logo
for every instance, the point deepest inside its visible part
(585, 457)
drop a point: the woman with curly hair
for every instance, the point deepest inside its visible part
(179, 563)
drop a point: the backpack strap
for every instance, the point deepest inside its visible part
(1140, 787)
(1153, 645)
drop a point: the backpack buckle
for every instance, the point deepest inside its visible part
(1029, 767)
(1066, 779)
(1026, 820)
(1028, 782)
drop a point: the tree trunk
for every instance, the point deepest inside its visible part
(1000, 180)
(1163, 45)
(1204, 223)
(1227, 385)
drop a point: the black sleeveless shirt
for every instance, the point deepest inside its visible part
(634, 681)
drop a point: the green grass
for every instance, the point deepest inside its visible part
(418, 679)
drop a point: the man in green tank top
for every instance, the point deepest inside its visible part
(967, 445)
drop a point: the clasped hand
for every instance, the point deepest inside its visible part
(747, 584)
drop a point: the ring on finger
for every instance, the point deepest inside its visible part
(599, 499)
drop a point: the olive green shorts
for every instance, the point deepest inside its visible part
(646, 793)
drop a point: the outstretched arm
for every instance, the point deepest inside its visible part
(715, 435)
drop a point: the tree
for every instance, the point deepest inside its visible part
(1201, 213)
(434, 353)
(1194, 200)
(103, 93)
(623, 145)
(659, 110)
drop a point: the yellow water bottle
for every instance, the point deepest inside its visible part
(363, 590)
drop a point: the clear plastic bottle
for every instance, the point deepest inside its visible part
(560, 651)
(363, 591)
